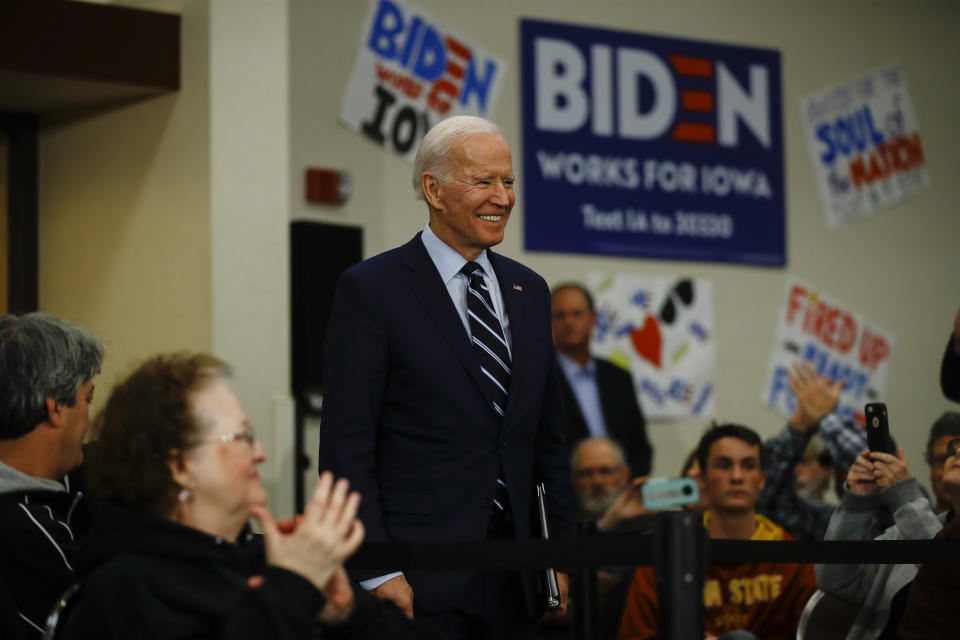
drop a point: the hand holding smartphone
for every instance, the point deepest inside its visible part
(878, 428)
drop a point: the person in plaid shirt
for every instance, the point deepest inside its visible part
(816, 401)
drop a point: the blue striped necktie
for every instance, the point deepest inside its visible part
(487, 336)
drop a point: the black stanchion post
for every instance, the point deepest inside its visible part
(299, 492)
(585, 605)
(679, 544)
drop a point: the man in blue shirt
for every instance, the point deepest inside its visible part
(599, 397)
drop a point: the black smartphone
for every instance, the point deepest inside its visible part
(878, 428)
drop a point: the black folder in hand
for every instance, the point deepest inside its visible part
(552, 587)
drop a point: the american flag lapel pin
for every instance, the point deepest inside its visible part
(518, 287)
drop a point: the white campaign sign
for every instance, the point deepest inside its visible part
(411, 72)
(839, 342)
(865, 145)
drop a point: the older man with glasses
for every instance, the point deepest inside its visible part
(879, 486)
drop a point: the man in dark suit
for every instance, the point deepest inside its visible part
(950, 366)
(599, 396)
(443, 441)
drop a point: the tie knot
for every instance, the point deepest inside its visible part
(472, 269)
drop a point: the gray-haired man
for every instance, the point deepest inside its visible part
(47, 368)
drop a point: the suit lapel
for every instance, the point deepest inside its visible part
(427, 287)
(512, 292)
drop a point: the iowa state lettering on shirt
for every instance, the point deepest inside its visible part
(760, 588)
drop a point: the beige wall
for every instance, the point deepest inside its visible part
(897, 268)
(124, 218)
(163, 223)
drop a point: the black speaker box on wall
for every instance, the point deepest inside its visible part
(319, 253)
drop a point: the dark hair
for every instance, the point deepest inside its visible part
(946, 425)
(574, 285)
(688, 462)
(727, 430)
(147, 417)
(41, 357)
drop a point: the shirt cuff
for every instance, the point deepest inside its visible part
(373, 583)
(831, 423)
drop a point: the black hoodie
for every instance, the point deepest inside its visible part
(148, 577)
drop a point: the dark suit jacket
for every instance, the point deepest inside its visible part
(405, 420)
(621, 412)
(950, 372)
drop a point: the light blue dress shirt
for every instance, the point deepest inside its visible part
(449, 263)
(583, 383)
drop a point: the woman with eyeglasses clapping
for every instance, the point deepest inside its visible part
(171, 554)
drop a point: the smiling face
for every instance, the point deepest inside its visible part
(469, 212)
(222, 467)
(733, 478)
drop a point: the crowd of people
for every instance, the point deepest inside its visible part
(455, 383)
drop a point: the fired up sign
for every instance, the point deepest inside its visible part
(840, 344)
(638, 145)
(865, 145)
(411, 72)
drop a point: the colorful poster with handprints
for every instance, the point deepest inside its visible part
(839, 342)
(661, 329)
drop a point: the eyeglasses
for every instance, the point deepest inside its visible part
(601, 472)
(246, 435)
(953, 447)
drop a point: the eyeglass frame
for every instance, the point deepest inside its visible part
(605, 472)
(953, 447)
(247, 435)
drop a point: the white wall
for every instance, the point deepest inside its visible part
(897, 268)
(124, 230)
(249, 214)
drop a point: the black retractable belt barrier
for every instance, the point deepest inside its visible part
(679, 551)
(636, 549)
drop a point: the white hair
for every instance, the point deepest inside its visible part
(434, 151)
(612, 444)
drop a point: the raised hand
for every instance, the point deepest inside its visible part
(318, 543)
(816, 395)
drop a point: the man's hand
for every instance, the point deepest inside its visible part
(887, 469)
(563, 582)
(861, 478)
(816, 396)
(398, 590)
(629, 504)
